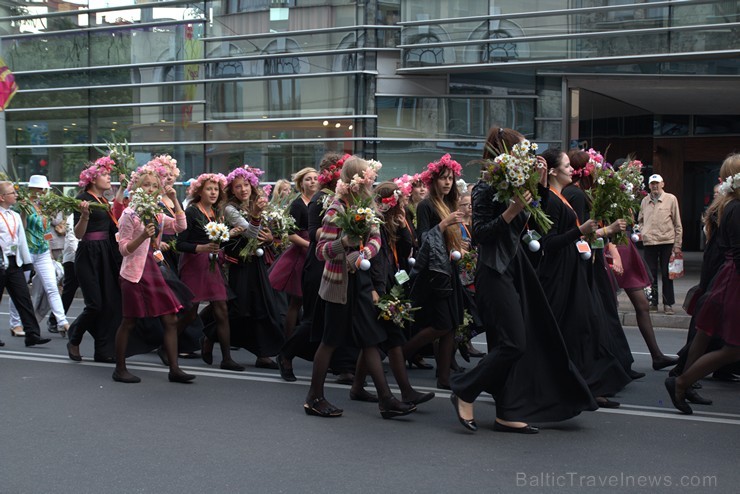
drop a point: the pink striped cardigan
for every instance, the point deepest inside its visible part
(339, 260)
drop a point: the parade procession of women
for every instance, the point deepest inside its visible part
(347, 271)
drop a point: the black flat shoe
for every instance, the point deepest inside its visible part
(681, 405)
(476, 353)
(34, 339)
(180, 377)
(664, 362)
(206, 350)
(527, 429)
(266, 364)
(74, 356)
(694, 397)
(129, 379)
(2, 343)
(320, 407)
(635, 375)
(104, 360)
(420, 363)
(393, 408)
(604, 403)
(232, 366)
(468, 424)
(442, 385)
(363, 395)
(163, 357)
(285, 372)
(418, 398)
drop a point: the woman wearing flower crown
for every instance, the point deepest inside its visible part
(526, 369)
(628, 267)
(564, 272)
(346, 286)
(201, 260)
(436, 287)
(285, 275)
(144, 292)
(97, 264)
(387, 268)
(718, 310)
(306, 337)
(253, 318)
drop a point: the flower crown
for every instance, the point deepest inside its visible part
(92, 171)
(359, 181)
(168, 162)
(150, 168)
(730, 184)
(435, 168)
(406, 183)
(248, 173)
(385, 204)
(334, 171)
(196, 184)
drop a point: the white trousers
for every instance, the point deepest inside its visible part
(46, 274)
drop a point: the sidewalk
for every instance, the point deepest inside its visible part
(692, 267)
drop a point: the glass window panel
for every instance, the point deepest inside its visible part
(411, 156)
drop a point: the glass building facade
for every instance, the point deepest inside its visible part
(276, 83)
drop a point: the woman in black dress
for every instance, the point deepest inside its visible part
(435, 285)
(252, 312)
(97, 263)
(527, 368)
(285, 275)
(564, 273)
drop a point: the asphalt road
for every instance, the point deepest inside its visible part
(67, 427)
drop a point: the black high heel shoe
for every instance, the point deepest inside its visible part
(468, 424)
(206, 350)
(420, 363)
(663, 362)
(681, 405)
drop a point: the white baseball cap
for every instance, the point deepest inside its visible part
(38, 182)
(655, 178)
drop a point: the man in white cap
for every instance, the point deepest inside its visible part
(662, 234)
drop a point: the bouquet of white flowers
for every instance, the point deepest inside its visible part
(217, 233)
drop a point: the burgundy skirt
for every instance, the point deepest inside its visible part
(151, 296)
(635, 274)
(207, 284)
(285, 275)
(720, 313)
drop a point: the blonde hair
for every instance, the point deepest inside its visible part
(300, 175)
(713, 216)
(444, 205)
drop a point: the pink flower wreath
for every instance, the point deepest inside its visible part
(435, 168)
(196, 184)
(93, 170)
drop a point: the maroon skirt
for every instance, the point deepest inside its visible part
(207, 284)
(635, 275)
(286, 273)
(151, 296)
(720, 313)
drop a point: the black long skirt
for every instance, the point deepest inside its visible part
(527, 369)
(565, 280)
(253, 319)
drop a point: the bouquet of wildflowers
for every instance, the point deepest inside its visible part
(146, 206)
(467, 265)
(358, 219)
(393, 307)
(280, 223)
(465, 331)
(121, 160)
(616, 193)
(52, 203)
(217, 233)
(513, 173)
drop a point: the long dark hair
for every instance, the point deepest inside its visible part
(500, 140)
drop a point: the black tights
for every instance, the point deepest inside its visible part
(443, 356)
(644, 323)
(223, 329)
(169, 323)
(370, 361)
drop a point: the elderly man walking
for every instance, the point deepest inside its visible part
(662, 234)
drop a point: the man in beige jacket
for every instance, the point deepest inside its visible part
(662, 234)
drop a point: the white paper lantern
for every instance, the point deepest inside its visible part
(259, 252)
(534, 246)
(455, 255)
(586, 255)
(411, 261)
(364, 265)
